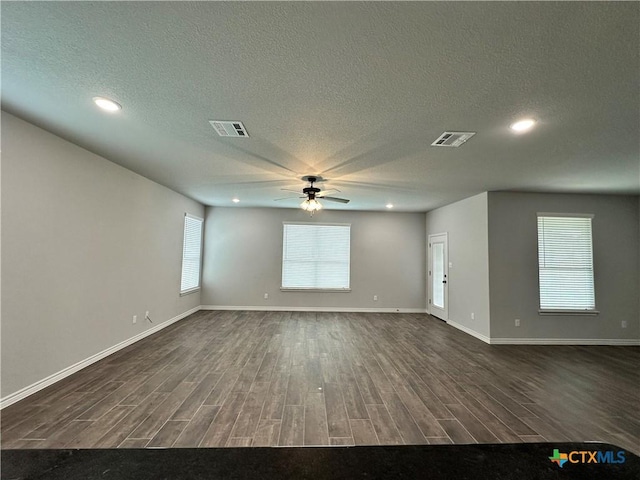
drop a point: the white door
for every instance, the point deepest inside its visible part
(438, 272)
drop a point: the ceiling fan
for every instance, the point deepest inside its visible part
(311, 194)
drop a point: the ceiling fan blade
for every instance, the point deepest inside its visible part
(378, 186)
(289, 190)
(335, 199)
(286, 198)
(230, 180)
(329, 190)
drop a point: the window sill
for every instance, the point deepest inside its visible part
(191, 290)
(316, 290)
(569, 312)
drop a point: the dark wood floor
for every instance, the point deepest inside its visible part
(221, 379)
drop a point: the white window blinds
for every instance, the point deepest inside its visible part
(565, 260)
(191, 254)
(316, 256)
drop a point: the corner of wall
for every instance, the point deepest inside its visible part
(466, 225)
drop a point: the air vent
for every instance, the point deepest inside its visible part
(452, 139)
(226, 128)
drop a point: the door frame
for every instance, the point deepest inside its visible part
(443, 314)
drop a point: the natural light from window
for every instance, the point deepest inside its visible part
(565, 259)
(316, 256)
(191, 253)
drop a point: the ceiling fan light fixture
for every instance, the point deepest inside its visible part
(235, 200)
(389, 205)
(311, 205)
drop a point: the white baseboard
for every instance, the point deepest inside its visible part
(565, 341)
(268, 308)
(546, 341)
(473, 333)
(56, 377)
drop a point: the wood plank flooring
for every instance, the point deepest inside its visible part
(232, 379)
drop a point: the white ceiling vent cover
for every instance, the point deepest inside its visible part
(226, 128)
(452, 139)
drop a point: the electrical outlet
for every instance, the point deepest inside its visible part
(517, 322)
(266, 295)
(135, 319)
(624, 324)
(473, 316)
(375, 298)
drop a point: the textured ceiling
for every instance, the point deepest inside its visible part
(355, 92)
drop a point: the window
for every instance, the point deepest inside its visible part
(316, 256)
(565, 260)
(191, 249)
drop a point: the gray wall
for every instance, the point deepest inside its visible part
(243, 259)
(86, 244)
(513, 266)
(465, 222)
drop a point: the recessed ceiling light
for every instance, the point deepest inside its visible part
(106, 104)
(389, 205)
(523, 125)
(235, 200)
